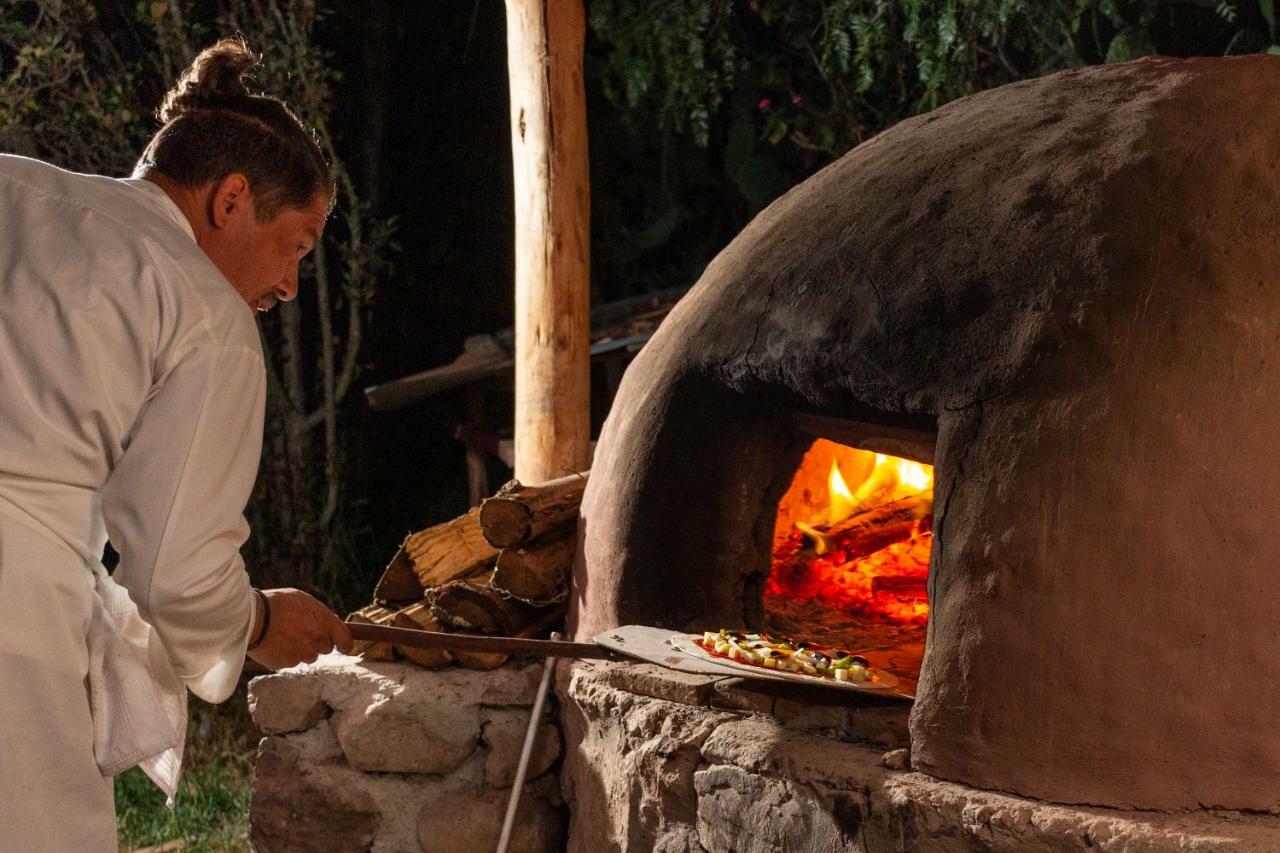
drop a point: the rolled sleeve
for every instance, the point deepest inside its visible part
(174, 510)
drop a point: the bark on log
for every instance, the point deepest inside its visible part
(373, 615)
(449, 551)
(520, 513)
(399, 583)
(552, 207)
(419, 617)
(869, 531)
(538, 572)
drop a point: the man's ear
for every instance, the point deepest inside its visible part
(230, 199)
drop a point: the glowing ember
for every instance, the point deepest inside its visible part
(887, 584)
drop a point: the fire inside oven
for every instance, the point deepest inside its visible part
(851, 548)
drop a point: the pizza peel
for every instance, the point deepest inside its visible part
(659, 646)
(638, 642)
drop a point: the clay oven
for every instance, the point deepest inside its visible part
(1063, 293)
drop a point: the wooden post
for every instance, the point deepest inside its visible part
(552, 207)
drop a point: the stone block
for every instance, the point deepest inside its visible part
(646, 679)
(418, 734)
(763, 745)
(299, 807)
(503, 730)
(514, 684)
(740, 812)
(896, 759)
(882, 725)
(286, 701)
(470, 822)
(741, 694)
(409, 720)
(810, 716)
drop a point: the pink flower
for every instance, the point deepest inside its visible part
(764, 104)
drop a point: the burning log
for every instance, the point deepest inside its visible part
(537, 573)
(519, 513)
(869, 531)
(373, 615)
(419, 617)
(448, 552)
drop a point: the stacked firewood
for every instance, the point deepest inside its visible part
(501, 569)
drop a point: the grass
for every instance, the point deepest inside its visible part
(211, 811)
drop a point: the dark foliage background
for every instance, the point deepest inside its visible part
(701, 112)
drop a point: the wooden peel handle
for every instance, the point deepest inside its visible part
(477, 643)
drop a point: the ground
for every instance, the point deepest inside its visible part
(212, 810)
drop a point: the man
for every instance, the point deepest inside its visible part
(131, 406)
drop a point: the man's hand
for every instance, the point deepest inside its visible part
(301, 629)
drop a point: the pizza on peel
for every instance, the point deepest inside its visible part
(785, 655)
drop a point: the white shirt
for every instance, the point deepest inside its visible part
(132, 389)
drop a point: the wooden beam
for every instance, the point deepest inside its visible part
(552, 255)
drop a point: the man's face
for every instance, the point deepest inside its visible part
(261, 259)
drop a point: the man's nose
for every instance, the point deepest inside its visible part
(287, 288)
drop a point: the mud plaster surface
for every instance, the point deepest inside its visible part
(1074, 279)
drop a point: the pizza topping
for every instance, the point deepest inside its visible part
(787, 655)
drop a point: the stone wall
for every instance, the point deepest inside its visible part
(675, 763)
(387, 758)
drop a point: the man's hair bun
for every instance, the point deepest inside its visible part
(214, 126)
(213, 80)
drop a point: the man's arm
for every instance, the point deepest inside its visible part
(174, 505)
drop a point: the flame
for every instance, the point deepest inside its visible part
(918, 478)
(840, 501)
(831, 576)
(879, 487)
(891, 478)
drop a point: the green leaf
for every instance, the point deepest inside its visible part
(1274, 49)
(1267, 7)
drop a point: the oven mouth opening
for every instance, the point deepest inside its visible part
(851, 548)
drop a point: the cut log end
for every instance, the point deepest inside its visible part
(399, 583)
(537, 573)
(505, 522)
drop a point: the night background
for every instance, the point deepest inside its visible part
(700, 113)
